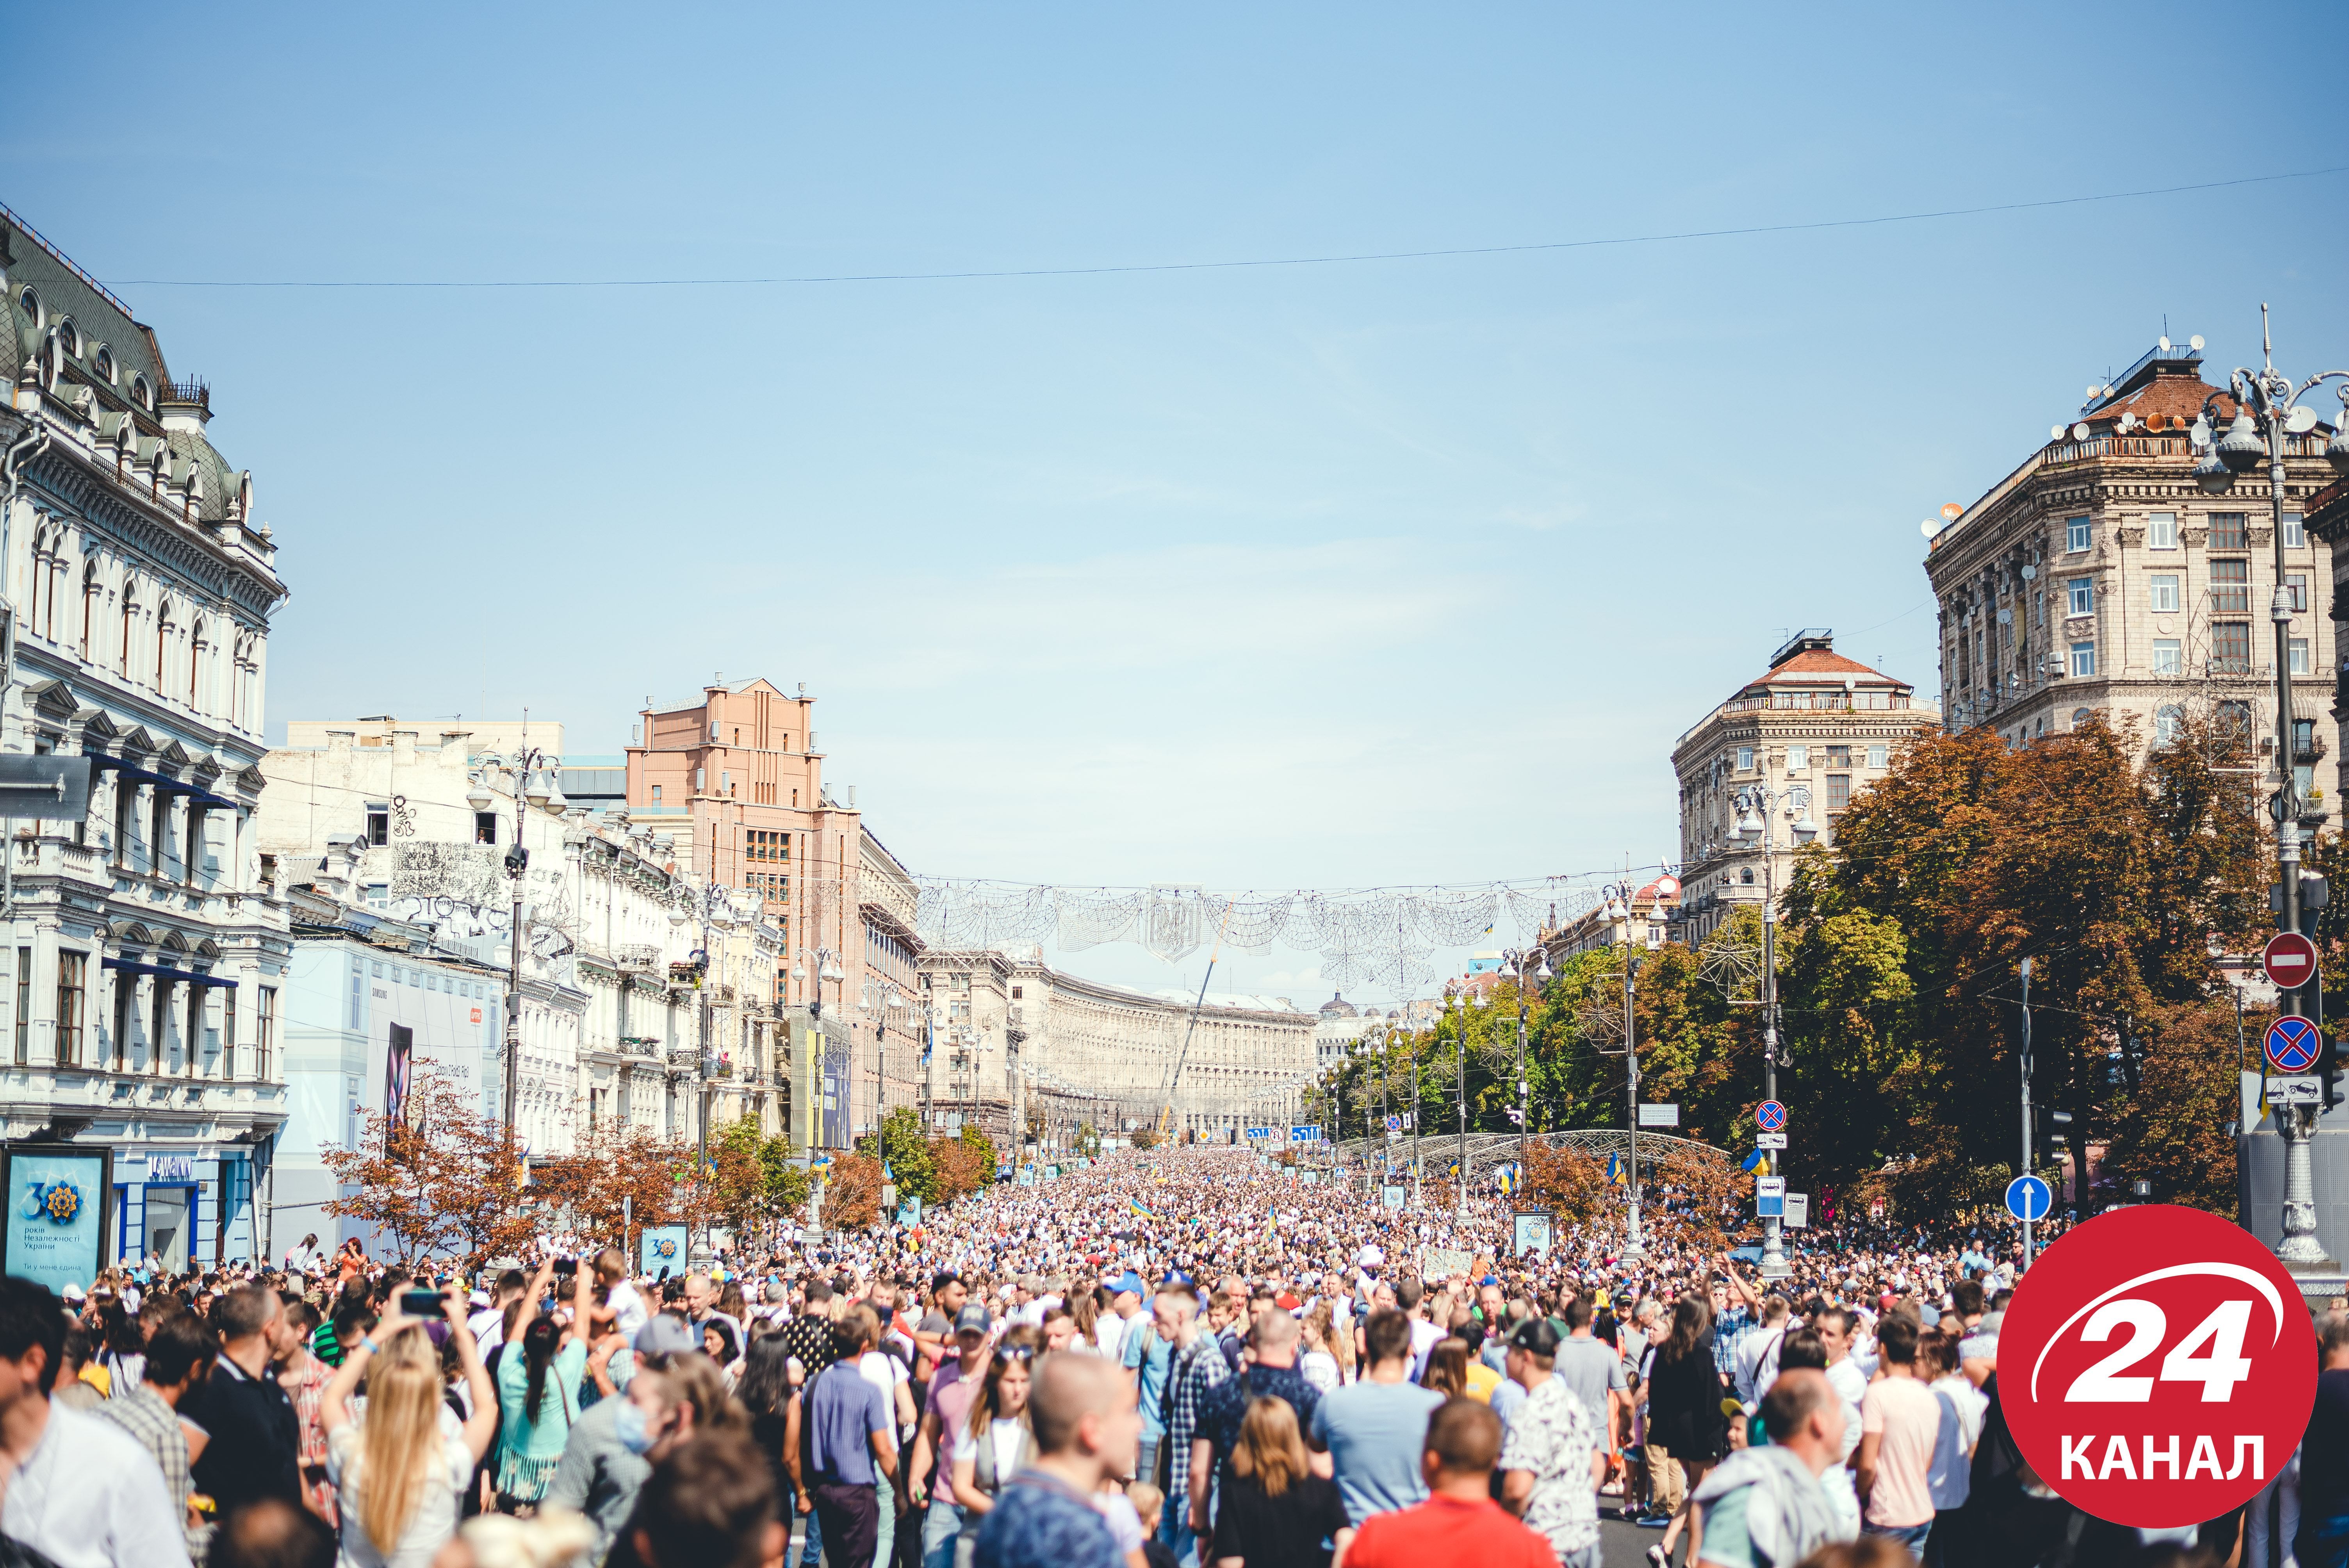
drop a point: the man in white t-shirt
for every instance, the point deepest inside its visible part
(489, 1324)
(1411, 1297)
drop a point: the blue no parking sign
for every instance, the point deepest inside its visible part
(2292, 1044)
(2028, 1197)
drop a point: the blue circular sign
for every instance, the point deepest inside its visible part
(2292, 1044)
(2029, 1198)
(1770, 1116)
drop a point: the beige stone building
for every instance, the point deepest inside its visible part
(2097, 578)
(1814, 729)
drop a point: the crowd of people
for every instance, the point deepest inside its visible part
(1174, 1359)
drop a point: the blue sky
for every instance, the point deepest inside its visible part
(1396, 572)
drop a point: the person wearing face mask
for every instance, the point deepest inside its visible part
(605, 1461)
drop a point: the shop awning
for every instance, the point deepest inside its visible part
(167, 972)
(196, 794)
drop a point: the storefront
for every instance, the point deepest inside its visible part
(192, 1209)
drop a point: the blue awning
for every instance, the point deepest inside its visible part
(196, 794)
(168, 972)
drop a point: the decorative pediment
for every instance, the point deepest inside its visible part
(53, 700)
(253, 778)
(98, 727)
(131, 934)
(136, 740)
(172, 755)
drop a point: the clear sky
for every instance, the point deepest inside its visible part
(1300, 576)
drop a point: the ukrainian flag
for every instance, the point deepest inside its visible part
(1135, 1204)
(1619, 1173)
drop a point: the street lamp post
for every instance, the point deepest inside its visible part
(1758, 807)
(1512, 963)
(529, 772)
(1460, 1054)
(1617, 910)
(2268, 413)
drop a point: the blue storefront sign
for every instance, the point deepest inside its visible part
(56, 1232)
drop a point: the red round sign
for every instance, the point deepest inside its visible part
(2290, 960)
(2156, 1366)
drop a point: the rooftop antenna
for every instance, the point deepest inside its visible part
(2267, 349)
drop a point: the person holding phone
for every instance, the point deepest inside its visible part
(538, 1390)
(399, 1474)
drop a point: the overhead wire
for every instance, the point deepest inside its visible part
(1239, 263)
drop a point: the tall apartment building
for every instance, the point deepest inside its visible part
(2097, 578)
(1813, 729)
(146, 959)
(736, 777)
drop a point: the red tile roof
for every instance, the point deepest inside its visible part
(1822, 666)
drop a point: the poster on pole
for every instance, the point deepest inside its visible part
(663, 1250)
(57, 1220)
(1393, 1196)
(1532, 1234)
(1798, 1211)
(1442, 1262)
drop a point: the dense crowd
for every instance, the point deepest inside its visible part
(1167, 1360)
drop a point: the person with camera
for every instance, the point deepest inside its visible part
(400, 1471)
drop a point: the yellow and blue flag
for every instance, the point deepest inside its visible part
(1135, 1204)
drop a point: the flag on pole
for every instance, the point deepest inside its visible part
(1135, 1204)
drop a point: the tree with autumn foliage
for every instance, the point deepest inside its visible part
(2111, 871)
(852, 1192)
(440, 1181)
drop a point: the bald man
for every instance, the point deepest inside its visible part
(1088, 1430)
(1763, 1508)
(1272, 1374)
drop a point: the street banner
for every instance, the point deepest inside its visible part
(663, 1247)
(2156, 1366)
(1532, 1233)
(58, 1219)
(1393, 1196)
(1442, 1262)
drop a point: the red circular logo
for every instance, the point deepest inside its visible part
(2156, 1366)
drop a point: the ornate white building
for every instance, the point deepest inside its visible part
(145, 958)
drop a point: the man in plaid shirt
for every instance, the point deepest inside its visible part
(180, 1351)
(1198, 1366)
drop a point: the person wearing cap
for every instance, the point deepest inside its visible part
(944, 1411)
(1554, 1455)
(1147, 1352)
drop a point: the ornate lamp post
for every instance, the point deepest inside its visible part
(2268, 413)
(1758, 809)
(529, 777)
(1513, 965)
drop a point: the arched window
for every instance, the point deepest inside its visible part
(103, 362)
(2080, 717)
(162, 647)
(70, 337)
(31, 301)
(129, 619)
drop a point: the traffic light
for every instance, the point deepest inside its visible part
(2328, 1067)
(2054, 1131)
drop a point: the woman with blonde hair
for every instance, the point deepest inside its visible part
(1277, 1513)
(399, 1472)
(1085, 1306)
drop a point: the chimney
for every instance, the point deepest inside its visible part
(851, 797)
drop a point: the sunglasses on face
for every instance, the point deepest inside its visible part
(1017, 1353)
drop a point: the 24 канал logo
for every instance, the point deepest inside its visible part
(2156, 1366)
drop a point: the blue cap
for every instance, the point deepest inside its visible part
(1130, 1281)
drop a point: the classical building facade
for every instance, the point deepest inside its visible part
(2097, 579)
(1814, 729)
(146, 961)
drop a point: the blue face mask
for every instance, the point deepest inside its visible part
(635, 1433)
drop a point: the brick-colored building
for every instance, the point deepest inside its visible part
(2098, 578)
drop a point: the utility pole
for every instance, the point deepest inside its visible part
(2025, 1059)
(1633, 1250)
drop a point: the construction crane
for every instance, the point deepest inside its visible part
(1167, 1112)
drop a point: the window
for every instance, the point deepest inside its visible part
(1838, 791)
(2304, 737)
(2161, 531)
(103, 362)
(1746, 876)
(70, 969)
(1798, 757)
(378, 896)
(31, 302)
(2303, 781)
(2234, 718)
(657, 796)
(1878, 755)
(1838, 756)
(2227, 531)
(2296, 650)
(1746, 760)
(701, 779)
(228, 1031)
(2039, 608)
(2297, 583)
(265, 1038)
(143, 394)
(2295, 532)
(2075, 535)
(24, 1007)
(767, 846)
(485, 827)
(2080, 596)
(2166, 723)
(69, 337)
(2230, 592)
(2084, 658)
(2231, 647)
(2165, 593)
(378, 827)
(2168, 656)
(2080, 717)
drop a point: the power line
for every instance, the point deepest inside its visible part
(1226, 265)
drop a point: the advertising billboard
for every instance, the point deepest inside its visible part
(57, 1203)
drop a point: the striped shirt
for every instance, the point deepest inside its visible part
(143, 1413)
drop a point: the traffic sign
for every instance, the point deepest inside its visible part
(1770, 1116)
(1770, 1197)
(2029, 1198)
(2157, 1366)
(1659, 1115)
(1309, 1133)
(2290, 960)
(2292, 1044)
(1769, 1140)
(2295, 1092)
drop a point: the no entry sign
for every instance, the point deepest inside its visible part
(2290, 960)
(2158, 1394)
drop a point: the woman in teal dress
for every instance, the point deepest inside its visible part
(538, 1392)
